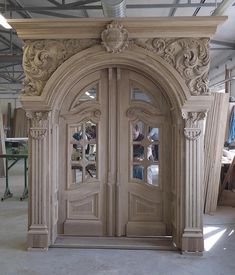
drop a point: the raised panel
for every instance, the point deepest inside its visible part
(83, 208)
(143, 209)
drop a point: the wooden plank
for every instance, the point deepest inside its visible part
(2, 147)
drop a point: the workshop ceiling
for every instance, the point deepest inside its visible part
(11, 73)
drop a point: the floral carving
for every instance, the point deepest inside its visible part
(43, 57)
(39, 122)
(192, 130)
(189, 56)
(115, 38)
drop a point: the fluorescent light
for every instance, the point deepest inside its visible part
(4, 23)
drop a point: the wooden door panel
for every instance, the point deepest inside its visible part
(84, 123)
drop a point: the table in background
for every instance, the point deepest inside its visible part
(15, 158)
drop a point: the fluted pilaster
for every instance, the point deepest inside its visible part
(38, 132)
(192, 239)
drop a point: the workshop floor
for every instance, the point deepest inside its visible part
(218, 259)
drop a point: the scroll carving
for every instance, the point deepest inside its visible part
(133, 113)
(43, 57)
(189, 56)
(39, 124)
(115, 38)
(192, 130)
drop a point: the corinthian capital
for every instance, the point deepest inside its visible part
(38, 124)
(192, 130)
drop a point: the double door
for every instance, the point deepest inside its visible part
(114, 136)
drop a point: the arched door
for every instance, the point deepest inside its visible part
(115, 144)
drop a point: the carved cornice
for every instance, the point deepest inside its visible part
(192, 129)
(189, 56)
(115, 38)
(43, 57)
(38, 124)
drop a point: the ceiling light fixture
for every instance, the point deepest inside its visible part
(3, 22)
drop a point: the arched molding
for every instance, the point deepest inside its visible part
(76, 67)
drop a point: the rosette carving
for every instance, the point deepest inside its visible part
(189, 56)
(115, 38)
(192, 130)
(42, 57)
(38, 124)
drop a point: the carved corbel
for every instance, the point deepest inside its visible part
(38, 124)
(192, 130)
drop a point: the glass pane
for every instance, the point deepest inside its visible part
(138, 94)
(91, 152)
(76, 174)
(90, 129)
(89, 94)
(76, 133)
(76, 152)
(153, 134)
(138, 131)
(138, 172)
(138, 152)
(152, 152)
(153, 174)
(90, 171)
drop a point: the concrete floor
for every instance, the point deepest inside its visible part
(15, 260)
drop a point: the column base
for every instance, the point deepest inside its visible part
(38, 238)
(192, 242)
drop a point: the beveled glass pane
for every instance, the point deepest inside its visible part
(76, 174)
(76, 133)
(90, 130)
(90, 171)
(138, 94)
(153, 134)
(88, 95)
(138, 172)
(138, 131)
(91, 152)
(76, 152)
(153, 174)
(138, 152)
(152, 152)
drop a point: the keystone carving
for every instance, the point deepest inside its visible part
(115, 38)
(189, 56)
(42, 57)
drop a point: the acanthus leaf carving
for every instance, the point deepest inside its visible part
(38, 124)
(192, 129)
(189, 56)
(115, 38)
(42, 57)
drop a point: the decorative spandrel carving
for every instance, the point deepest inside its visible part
(189, 56)
(43, 57)
(38, 124)
(192, 129)
(115, 38)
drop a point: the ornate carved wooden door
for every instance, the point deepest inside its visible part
(114, 132)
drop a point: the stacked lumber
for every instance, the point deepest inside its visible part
(214, 144)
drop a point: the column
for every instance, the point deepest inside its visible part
(38, 170)
(192, 239)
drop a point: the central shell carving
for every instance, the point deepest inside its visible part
(115, 38)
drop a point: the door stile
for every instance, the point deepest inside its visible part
(112, 152)
(122, 146)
